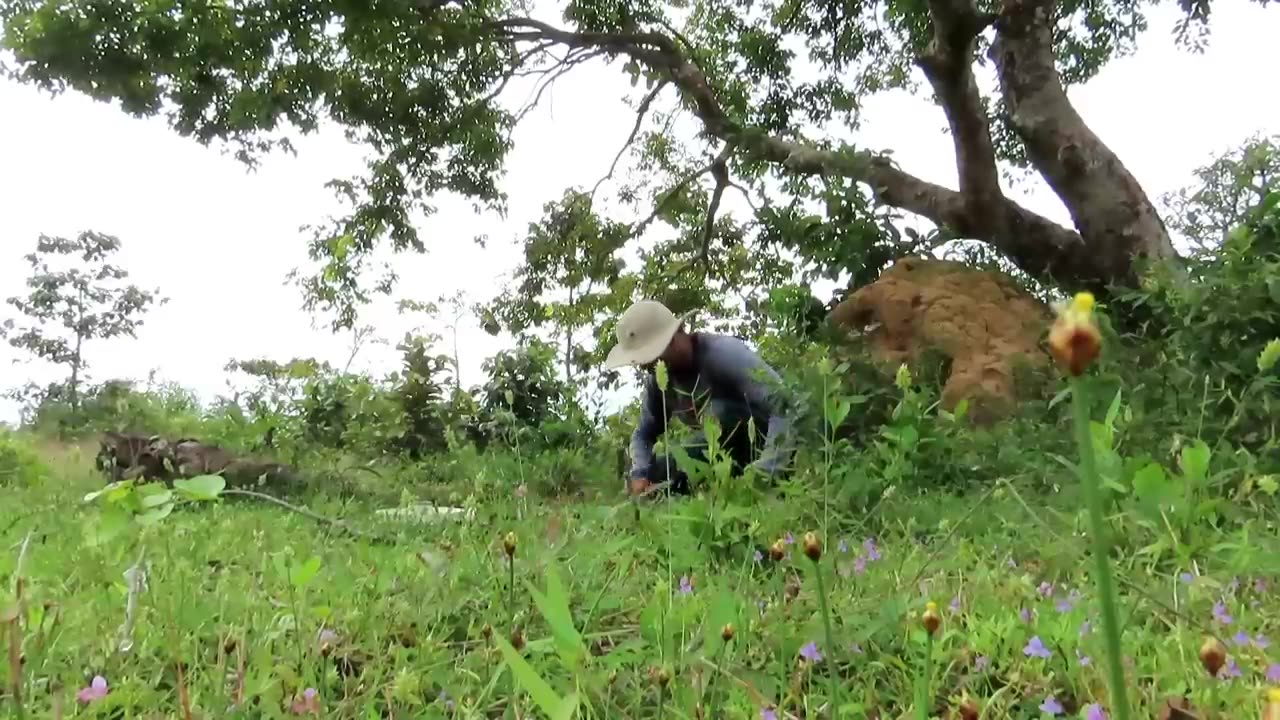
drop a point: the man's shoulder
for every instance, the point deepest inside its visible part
(719, 348)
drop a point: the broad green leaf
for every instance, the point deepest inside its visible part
(201, 487)
(107, 526)
(554, 607)
(542, 693)
(302, 574)
(157, 499)
(155, 515)
(1194, 462)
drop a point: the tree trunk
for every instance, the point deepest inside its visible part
(1117, 221)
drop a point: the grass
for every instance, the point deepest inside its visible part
(246, 607)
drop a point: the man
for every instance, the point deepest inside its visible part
(705, 371)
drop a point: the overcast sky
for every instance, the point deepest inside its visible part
(218, 241)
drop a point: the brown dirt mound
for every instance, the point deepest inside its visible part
(978, 319)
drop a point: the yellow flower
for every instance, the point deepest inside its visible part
(1074, 339)
(931, 620)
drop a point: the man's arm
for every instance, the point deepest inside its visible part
(647, 429)
(738, 364)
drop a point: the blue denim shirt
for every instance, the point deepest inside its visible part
(736, 381)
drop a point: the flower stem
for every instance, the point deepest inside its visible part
(1101, 549)
(831, 640)
(922, 701)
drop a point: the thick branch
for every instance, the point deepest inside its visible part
(1038, 245)
(1116, 220)
(948, 64)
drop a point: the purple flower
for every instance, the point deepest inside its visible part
(1260, 585)
(1085, 628)
(810, 652)
(1220, 613)
(1051, 706)
(873, 552)
(1261, 642)
(1036, 648)
(686, 585)
(758, 556)
(1045, 589)
(1083, 659)
(767, 713)
(444, 698)
(1242, 638)
(96, 690)
(1094, 712)
(842, 546)
(326, 637)
(789, 539)
(1025, 615)
(307, 704)
(1273, 673)
(954, 607)
(1067, 603)
(1187, 578)
(860, 565)
(982, 663)
(1232, 670)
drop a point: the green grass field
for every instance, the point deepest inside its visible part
(619, 609)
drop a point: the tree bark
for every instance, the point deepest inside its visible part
(1116, 221)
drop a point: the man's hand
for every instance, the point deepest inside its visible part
(637, 486)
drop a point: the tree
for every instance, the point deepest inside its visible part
(420, 82)
(571, 275)
(75, 296)
(1228, 188)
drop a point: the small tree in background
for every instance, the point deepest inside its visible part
(75, 295)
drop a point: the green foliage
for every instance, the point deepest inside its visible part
(20, 463)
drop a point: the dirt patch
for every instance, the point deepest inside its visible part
(979, 320)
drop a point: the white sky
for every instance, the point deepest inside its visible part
(218, 241)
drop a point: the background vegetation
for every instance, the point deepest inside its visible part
(556, 595)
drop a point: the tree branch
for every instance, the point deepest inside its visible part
(719, 171)
(641, 112)
(948, 65)
(1037, 245)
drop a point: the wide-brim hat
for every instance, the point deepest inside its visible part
(644, 332)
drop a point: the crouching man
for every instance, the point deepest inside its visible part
(705, 372)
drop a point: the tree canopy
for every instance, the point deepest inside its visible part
(776, 89)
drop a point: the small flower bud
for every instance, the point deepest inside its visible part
(1271, 711)
(487, 631)
(1213, 655)
(778, 550)
(1074, 339)
(517, 639)
(726, 632)
(812, 547)
(968, 709)
(509, 544)
(930, 619)
(659, 676)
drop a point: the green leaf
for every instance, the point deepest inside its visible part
(157, 499)
(554, 607)
(201, 487)
(301, 575)
(543, 695)
(112, 522)
(1194, 462)
(151, 517)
